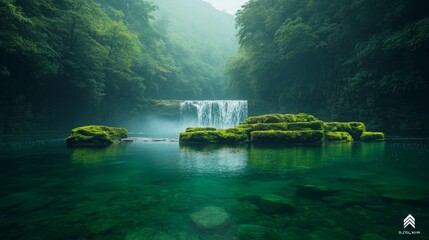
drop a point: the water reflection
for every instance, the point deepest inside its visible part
(89, 156)
(213, 158)
(218, 158)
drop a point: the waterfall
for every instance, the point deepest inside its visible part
(219, 114)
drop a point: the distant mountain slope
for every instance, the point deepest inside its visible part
(200, 39)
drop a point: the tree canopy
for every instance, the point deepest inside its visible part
(75, 61)
(338, 59)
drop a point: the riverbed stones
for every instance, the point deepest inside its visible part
(312, 191)
(252, 232)
(210, 217)
(101, 225)
(147, 233)
(272, 203)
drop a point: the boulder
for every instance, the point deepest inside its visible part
(234, 135)
(272, 203)
(252, 232)
(210, 217)
(338, 136)
(95, 136)
(372, 136)
(275, 136)
(311, 191)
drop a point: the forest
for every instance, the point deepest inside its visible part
(365, 60)
(68, 62)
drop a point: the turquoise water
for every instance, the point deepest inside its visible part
(149, 190)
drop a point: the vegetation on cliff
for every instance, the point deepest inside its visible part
(366, 60)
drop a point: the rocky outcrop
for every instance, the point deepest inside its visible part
(283, 128)
(95, 136)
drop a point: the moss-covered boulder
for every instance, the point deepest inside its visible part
(233, 135)
(197, 129)
(278, 118)
(372, 136)
(338, 136)
(315, 125)
(355, 129)
(276, 136)
(282, 128)
(95, 136)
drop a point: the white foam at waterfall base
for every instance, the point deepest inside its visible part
(219, 113)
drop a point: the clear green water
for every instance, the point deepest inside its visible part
(148, 190)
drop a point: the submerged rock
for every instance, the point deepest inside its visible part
(95, 136)
(210, 217)
(272, 203)
(406, 198)
(372, 236)
(101, 226)
(311, 191)
(147, 233)
(252, 232)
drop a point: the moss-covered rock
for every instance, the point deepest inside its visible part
(267, 118)
(338, 136)
(197, 129)
(276, 136)
(337, 127)
(317, 125)
(264, 126)
(278, 118)
(233, 135)
(282, 128)
(95, 136)
(355, 129)
(372, 136)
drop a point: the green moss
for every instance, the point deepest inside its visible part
(372, 136)
(301, 117)
(306, 126)
(87, 136)
(337, 127)
(232, 135)
(278, 118)
(338, 136)
(356, 129)
(276, 136)
(265, 126)
(267, 118)
(196, 129)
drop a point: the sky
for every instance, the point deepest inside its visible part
(229, 6)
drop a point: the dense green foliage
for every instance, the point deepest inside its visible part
(199, 40)
(365, 60)
(69, 62)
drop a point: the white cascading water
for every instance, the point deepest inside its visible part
(219, 114)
